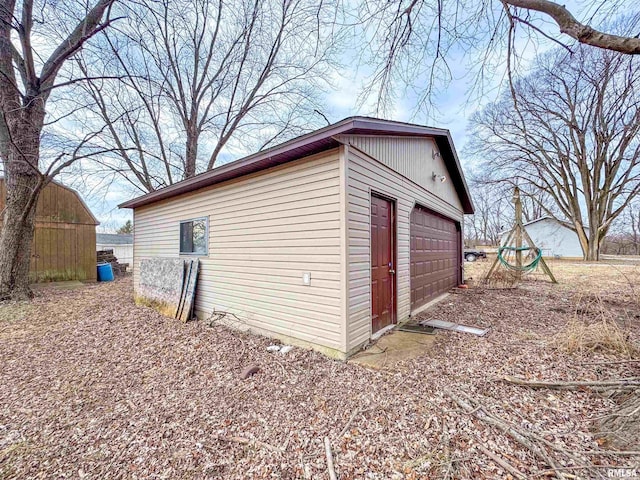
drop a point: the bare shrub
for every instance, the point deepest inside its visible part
(593, 329)
(501, 278)
(605, 335)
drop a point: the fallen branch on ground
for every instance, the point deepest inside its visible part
(503, 463)
(622, 427)
(246, 441)
(620, 383)
(530, 440)
(481, 414)
(624, 453)
(327, 451)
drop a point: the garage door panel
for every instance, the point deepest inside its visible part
(434, 255)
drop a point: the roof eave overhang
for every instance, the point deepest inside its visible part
(309, 144)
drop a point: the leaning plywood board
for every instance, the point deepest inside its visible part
(161, 281)
(188, 292)
(187, 273)
(444, 325)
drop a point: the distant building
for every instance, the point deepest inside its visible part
(64, 236)
(555, 238)
(121, 244)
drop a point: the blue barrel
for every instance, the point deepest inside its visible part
(105, 272)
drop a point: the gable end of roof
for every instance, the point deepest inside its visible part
(316, 142)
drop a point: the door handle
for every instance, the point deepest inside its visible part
(392, 272)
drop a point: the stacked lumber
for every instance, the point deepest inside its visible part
(107, 256)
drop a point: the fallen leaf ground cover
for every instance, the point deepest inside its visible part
(93, 386)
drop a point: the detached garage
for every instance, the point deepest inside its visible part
(323, 240)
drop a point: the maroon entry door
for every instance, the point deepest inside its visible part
(383, 310)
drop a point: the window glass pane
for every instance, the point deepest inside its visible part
(193, 236)
(186, 237)
(199, 239)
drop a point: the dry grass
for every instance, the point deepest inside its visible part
(501, 279)
(608, 279)
(603, 336)
(595, 289)
(595, 327)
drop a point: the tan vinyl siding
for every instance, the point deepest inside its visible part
(365, 174)
(265, 231)
(412, 157)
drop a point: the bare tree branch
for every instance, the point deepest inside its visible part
(202, 75)
(569, 25)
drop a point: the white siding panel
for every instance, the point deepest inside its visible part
(553, 238)
(265, 230)
(411, 157)
(365, 174)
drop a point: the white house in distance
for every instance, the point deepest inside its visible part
(121, 244)
(555, 238)
(323, 240)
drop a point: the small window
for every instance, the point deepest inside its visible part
(194, 236)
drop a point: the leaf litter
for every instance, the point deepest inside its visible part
(93, 386)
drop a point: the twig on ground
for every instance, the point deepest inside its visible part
(246, 441)
(503, 463)
(358, 411)
(327, 451)
(631, 382)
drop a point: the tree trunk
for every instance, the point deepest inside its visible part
(593, 253)
(23, 96)
(585, 244)
(594, 243)
(24, 183)
(191, 154)
(15, 241)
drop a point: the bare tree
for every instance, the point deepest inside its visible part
(493, 214)
(624, 237)
(27, 80)
(420, 45)
(569, 129)
(201, 73)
